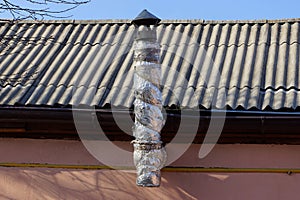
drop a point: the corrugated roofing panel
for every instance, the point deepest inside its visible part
(252, 64)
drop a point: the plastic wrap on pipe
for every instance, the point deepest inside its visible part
(145, 134)
(145, 71)
(147, 92)
(149, 154)
(146, 51)
(148, 115)
(148, 164)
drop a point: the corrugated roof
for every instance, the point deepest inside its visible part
(211, 64)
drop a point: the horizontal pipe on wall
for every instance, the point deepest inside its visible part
(166, 169)
(12, 130)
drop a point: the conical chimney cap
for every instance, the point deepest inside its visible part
(145, 18)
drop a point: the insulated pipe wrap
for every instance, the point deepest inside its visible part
(149, 154)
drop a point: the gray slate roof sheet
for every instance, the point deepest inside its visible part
(214, 64)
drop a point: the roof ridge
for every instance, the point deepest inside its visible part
(71, 21)
(202, 21)
(166, 21)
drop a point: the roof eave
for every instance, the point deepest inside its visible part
(254, 128)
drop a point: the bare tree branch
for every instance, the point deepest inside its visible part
(39, 9)
(14, 35)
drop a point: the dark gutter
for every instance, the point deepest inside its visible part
(240, 126)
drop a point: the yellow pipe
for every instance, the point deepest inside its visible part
(231, 170)
(166, 169)
(12, 130)
(63, 166)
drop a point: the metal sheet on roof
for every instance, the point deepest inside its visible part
(251, 64)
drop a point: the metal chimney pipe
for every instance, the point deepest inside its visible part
(149, 154)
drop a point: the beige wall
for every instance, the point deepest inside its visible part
(58, 183)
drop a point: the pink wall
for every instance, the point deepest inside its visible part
(43, 183)
(48, 183)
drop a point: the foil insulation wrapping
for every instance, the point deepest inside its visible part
(149, 154)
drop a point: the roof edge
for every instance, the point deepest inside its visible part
(167, 21)
(59, 124)
(70, 21)
(255, 21)
(228, 112)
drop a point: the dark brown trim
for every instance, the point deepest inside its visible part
(239, 127)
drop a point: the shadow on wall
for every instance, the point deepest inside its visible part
(44, 183)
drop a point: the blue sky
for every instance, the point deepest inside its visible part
(187, 9)
(190, 9)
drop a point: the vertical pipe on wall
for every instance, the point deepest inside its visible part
(149, 154)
